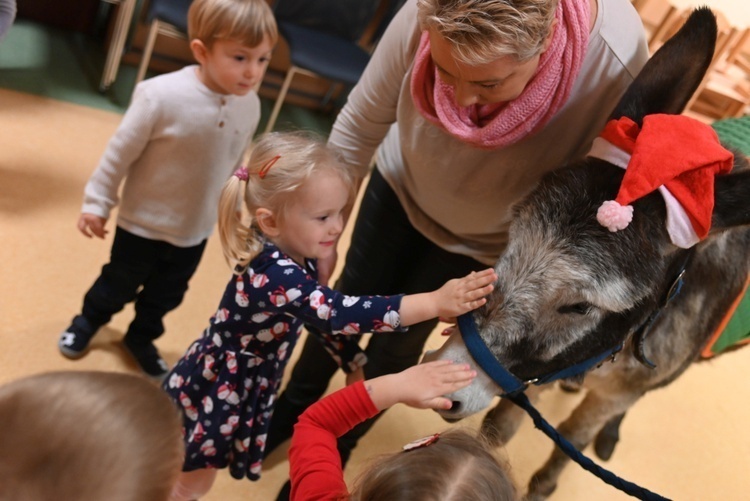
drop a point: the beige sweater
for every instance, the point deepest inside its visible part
(459, 196)
(175, 147)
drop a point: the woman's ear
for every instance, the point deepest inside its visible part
(267, 222)
(200, 51)
(548, 40)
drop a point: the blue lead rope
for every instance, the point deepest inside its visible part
(587, 464)
(514, 390)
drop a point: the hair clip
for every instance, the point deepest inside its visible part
(421, 442)
(241, 173)
(264, 170)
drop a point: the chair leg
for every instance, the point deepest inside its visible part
(148, 49)
(332, 89)
(120, 34)
(280, 98)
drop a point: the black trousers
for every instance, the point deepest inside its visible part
(152, 273)
(387, 256)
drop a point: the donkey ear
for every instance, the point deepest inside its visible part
(732, 196)
(669, 78)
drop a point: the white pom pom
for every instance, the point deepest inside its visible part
(614, 216)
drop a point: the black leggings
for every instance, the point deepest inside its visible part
(153, 273)
(387, 256)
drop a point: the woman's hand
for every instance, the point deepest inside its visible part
(421, 386)
(353, 377)
(326, 266)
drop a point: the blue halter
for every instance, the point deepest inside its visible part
(514, 390)
(510, 384)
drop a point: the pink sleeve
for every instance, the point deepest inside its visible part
(314, 462)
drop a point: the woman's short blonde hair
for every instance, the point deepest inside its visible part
(482, 31)
(246, 21)
(88, 436)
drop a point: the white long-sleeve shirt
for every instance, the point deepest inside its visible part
(177, 144)
(457, 195)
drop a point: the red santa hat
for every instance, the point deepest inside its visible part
(672, 152)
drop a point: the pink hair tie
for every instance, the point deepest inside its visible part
(241, 173)
(613, 216)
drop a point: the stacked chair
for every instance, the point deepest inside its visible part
(329, 39)
(725, 90)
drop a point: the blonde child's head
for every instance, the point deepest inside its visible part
(88, 436)
(280, 163)
(458, 466)
(249, 22)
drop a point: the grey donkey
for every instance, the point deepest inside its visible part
(569, 289)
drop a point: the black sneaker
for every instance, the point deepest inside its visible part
(74, 342)
(147, 357)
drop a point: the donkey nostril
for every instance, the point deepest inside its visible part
(456, 405)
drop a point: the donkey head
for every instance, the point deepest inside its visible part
(568, 288)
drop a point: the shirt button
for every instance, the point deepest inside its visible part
(221, 124)
(223, 101)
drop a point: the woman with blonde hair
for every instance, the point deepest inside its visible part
(467, 103)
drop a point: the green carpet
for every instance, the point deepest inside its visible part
(735, 132)
(62, 65)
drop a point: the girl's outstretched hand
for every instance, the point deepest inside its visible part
(456, 297)
(421, 386)
(461, 295)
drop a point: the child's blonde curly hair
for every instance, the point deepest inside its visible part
(279, 164)
(246, 21)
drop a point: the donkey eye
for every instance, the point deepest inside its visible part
(578, 308)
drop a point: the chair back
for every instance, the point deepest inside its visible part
(329, 39)
(173, 12)
(346, 19)
(654, 14)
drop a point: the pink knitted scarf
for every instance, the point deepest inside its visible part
(501, 124)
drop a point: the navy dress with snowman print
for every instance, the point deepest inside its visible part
(227, 381)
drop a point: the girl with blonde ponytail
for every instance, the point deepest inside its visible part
(277, 217)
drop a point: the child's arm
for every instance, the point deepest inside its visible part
(420, 386)
(314, 462)
(92, 225)
(456, 297)
(124, 147)
(329, 314)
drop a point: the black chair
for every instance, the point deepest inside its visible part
(330, 39)
(167, 18)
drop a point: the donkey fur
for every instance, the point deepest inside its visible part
(569, 288)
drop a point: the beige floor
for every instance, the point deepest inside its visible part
(690, 441)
